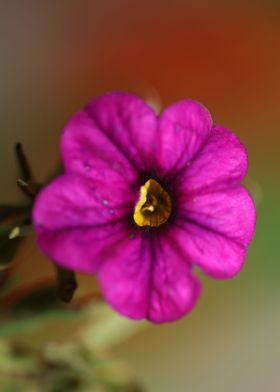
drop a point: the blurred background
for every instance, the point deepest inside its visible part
(57, 55)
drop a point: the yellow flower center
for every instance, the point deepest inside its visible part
(154, 205)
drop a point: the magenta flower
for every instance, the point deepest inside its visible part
(143, 199)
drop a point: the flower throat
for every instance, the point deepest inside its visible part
(154, 205)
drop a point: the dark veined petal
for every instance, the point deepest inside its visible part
(215, 230)
(129, 124)
(71, 201)
(149, 281)
(83, 248)
(71, 216)
(175, 289)
(124, 278)
(183, 129)
(87, 151)
(230, 212)
(222, 162)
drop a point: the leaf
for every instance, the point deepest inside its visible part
(10, 239)
(67, 283)
(23, 164)
(26, 182)
(30, 188)
(8, 249)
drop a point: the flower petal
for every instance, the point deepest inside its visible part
(183, 129)
(216, 255)
(124, 278)
(175, 289)
(129, 124)
(145, 281)
(222, 162)
(215, 230)
(72, 216)
(70, 201)
(230, 213)
(81, 249)
(88, 152)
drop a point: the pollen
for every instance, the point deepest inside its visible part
(154, 205)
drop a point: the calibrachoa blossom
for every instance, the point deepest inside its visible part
(143, 199)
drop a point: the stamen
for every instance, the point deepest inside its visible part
(154, 206)
(149, 208)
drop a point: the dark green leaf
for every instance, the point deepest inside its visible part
(24, 167)
(30, 188)
(67, 284)
(8, 249)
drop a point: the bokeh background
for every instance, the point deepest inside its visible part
(56, 55)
